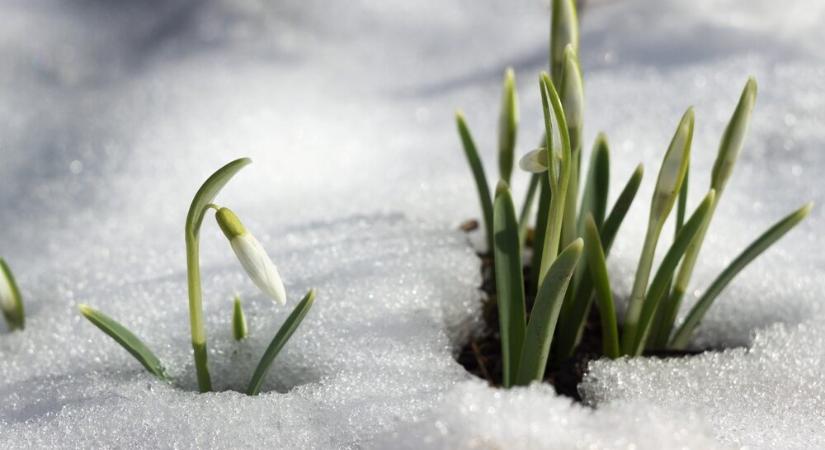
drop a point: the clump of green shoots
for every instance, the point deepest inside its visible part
(255, 262)
(581, 223)
(11, 302)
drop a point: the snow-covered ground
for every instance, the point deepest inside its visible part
(113, 113)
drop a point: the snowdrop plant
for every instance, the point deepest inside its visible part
(572, 214)
(11, 302)
(258, 266)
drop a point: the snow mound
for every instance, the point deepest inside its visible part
(376, 348)
(112, 115)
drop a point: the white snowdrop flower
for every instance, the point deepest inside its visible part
(252, 256)
(535, 161)
(7, 298)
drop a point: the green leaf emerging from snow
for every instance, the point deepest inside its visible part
(125, 338)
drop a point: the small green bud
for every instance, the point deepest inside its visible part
(229, 223)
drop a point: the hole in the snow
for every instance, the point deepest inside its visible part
(481, 356)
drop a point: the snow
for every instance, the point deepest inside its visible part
(113, 114)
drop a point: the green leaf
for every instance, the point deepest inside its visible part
(12, 308)
(545, 198)
(601, 282)
(239, 330)
(762, 243)
(611, 224)
(661, 281)
(477, 168)
(597, 184)
(527, 208)
(564, 31)
(284, 333)
(507, 126)
(126, 339)
(509, 282)
(197, 210)
(545, 313)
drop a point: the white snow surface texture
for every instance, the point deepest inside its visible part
(113, 113)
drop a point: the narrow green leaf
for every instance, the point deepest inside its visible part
(617, 214)
(601, 282)
(564, 31)
(545, 313)
(281, 338)
(545, 198)
(681, 206)
(509, 282)
(527, 208)
(729, 149)
(11, 302)
(671, 175)
(661, 281)
(480, 177)
(597, 184)
(762, 243)
(200, 203)
(507, 126)
(239, 330)
(125, 338)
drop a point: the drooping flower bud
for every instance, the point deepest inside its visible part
(252, 256)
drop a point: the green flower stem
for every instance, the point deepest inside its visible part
(200, 203)
(558, 184)
(762, 243)
(480, 177)
(634, 308)
(661, 282)
(668, 185)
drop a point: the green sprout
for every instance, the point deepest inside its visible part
(11, 302)
(239, 330)
(253, 259)
(572, 214)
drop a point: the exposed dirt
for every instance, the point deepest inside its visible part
(482, 355)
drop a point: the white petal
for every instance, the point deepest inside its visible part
(6, 293)
(535, 161)
(260, 268)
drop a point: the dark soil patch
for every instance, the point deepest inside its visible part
(482, 355)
